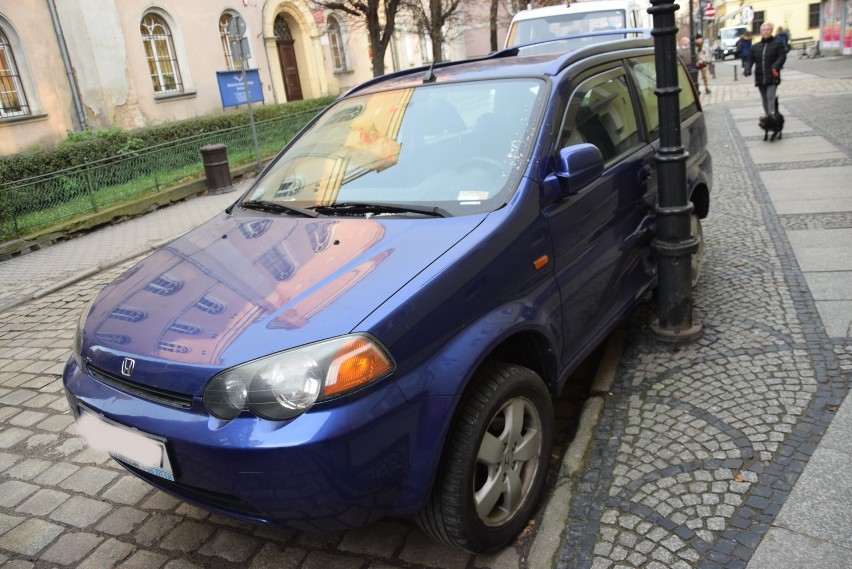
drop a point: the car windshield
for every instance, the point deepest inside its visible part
(457, 147)
(562, 25)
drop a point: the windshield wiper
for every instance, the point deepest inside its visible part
(275, 207)
(365, 208)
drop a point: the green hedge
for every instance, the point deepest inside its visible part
(89, 146)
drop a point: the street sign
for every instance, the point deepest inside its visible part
(237, 27)
(234, 91)
(710, 12)
(240, 49)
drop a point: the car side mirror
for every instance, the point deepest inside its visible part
(577, 166)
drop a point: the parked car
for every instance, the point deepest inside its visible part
(376, 327)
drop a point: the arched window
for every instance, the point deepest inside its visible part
(128, 314)
(335, 42)
(13, 101)
(164, 286)
(160, 52)
(230, 62)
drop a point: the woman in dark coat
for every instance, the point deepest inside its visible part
(767, 57)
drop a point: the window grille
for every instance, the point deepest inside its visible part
(254, 229)
(210, 306)
(186, 329)
(278, 264)
(118, 339)
(230, 62)
(335, 41)
(13, 102)
(164, 286)
(128, 314)
(174, 348)
(160, 52)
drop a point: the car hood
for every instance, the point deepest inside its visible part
(241, 287)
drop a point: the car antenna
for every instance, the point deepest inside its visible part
(430, 75)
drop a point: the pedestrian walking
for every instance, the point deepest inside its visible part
(767, 58)
(684, 53)
(704, 59)
(743, 48)
(783, 37)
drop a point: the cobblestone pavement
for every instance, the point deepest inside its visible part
(699, 447)
(695, 452)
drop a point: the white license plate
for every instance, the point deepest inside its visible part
(138, 449)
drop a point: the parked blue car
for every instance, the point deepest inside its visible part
(376, 327)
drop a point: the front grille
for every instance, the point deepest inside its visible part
(171, 398)
(198, 495)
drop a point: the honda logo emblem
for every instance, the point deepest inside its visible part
(127, 366)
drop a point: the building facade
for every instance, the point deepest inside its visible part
(66, 65)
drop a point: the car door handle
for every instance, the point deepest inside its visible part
(645, 228)
(643, 175)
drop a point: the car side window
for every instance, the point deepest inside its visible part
(644, 73)
(645, 77)
(688, 101)
(601, 112)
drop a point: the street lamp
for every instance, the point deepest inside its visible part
(672, 244)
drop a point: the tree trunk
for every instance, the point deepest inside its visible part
(493, 20)
(377, 52)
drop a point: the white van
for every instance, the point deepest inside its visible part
(551, 22)
(728, 38)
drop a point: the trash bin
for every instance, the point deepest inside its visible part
(216, 168)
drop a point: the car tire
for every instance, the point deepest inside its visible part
(489, 449)
(697, 260)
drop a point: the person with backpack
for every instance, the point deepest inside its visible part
(767, 58)
(743, 48)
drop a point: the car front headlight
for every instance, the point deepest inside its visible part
(78, 333)
(285, 385)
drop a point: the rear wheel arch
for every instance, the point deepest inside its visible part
(700, 199)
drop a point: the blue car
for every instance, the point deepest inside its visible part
(377, 326)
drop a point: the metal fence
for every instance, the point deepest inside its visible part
(39, 202)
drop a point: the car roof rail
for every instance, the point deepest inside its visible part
(516, 50)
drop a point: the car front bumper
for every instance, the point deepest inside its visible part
(341, 465)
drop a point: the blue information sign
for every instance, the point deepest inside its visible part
(233, 92)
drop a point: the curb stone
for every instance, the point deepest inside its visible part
(548, 538)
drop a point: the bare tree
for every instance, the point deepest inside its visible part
(433, 16)
(511, 7)
(495, 4)
(379, 29)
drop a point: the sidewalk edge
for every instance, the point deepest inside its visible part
(548, 539)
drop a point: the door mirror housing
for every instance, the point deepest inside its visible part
(576, 167)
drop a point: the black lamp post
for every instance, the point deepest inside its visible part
(672, 244)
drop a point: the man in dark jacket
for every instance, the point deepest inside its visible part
(767, 57)
(743, 48)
